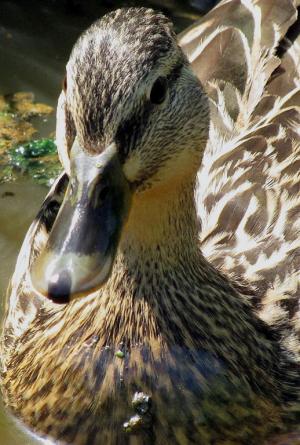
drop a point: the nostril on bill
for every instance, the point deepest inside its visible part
(59, 288)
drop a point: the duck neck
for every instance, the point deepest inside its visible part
(159, 258)
(158, 264)
(162, 285)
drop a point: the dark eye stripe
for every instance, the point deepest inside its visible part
(134, 125)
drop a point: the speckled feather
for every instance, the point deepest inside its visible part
(249, 183)
(206, 334)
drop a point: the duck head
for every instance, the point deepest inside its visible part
(132, 117)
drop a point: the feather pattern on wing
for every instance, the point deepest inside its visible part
(249, 184)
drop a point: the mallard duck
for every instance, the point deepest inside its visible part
(156, 297)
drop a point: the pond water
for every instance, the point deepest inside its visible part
(35, 40)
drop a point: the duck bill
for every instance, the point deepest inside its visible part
(83, 242)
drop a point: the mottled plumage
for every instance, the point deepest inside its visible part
(209, 330)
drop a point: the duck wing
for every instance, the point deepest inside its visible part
(248, 193)
(24, 305)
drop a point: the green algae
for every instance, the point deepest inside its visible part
(19, 152)
(37, 158)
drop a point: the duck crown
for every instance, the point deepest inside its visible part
(110, 61)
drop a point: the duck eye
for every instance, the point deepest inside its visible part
(159, 91)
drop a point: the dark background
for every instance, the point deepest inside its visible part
(36, 37)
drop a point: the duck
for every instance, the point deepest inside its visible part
(155, 298)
